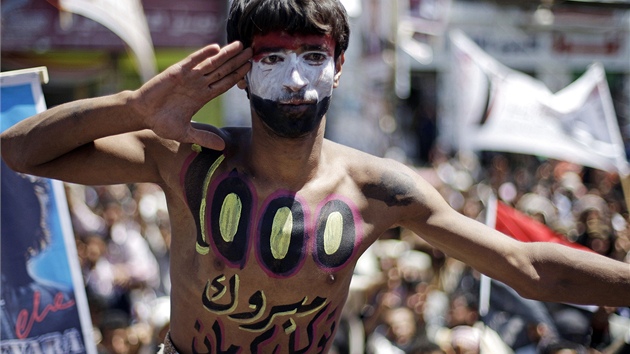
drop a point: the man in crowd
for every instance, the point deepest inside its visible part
(269, 221)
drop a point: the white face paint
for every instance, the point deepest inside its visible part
(289, 69)
(291, 81)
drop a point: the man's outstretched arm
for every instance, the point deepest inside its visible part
(542, 271)
(110, 139)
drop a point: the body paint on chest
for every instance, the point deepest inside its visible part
(285, 232)
(284, 229)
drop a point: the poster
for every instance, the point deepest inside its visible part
(43, 302)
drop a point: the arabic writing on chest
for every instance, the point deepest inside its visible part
(284, 232)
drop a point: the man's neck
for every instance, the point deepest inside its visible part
(291, 162)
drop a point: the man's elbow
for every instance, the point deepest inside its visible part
(542, 281)
(528, 281)
(534, 290)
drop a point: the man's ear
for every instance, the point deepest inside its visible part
(242, 84)
(338, 64)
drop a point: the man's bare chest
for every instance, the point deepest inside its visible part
(276, 266)
(279, 231)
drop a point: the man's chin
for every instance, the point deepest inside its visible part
(290, 120)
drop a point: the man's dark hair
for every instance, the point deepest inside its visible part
(259, 17)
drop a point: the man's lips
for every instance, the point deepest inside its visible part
(296, 102)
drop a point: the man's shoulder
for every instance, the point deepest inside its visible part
(361, 162)
(349, 154)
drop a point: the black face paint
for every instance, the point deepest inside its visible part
(288, 121)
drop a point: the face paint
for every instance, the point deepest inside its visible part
(291, 81)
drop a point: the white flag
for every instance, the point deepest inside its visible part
(513, 112)
(127, 20)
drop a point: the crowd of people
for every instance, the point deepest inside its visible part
(122, 238)
(406, 296)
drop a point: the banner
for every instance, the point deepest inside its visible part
(126, 18)
(44, 306)
(505, 110)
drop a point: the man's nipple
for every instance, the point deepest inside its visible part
(218, 264)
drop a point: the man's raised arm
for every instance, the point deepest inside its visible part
(101, 140)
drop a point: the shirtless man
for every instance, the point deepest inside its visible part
(269, 221)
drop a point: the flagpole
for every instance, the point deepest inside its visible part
(621, 162)
(485, 281)
(625, 186)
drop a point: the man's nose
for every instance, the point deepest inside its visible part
(294, 81)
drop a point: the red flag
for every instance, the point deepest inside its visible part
(524, 228)
(521, 227)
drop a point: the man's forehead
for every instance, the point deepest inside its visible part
(280, 40)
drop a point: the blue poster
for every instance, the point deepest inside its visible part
(43, 302)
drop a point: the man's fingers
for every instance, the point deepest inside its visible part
(205, 138)
(200, 55)
(229, 59)
(226, 53)
(217, 87)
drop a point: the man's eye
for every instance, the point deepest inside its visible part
(315, 58)
(271, 59)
